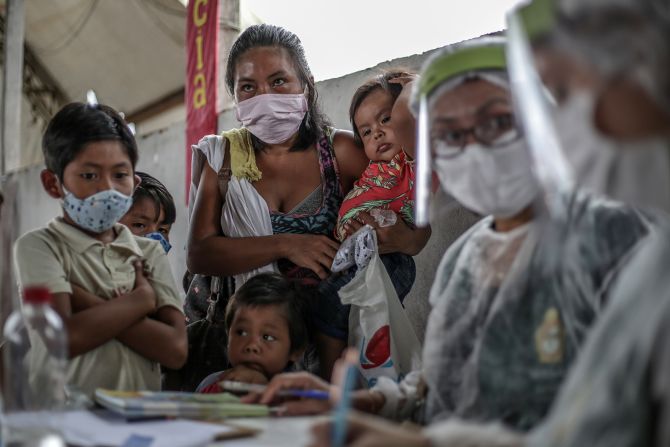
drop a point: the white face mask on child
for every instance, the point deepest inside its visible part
(99, 212)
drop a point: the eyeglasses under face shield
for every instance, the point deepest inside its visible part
(453, 65)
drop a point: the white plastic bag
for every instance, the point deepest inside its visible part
(378, 325)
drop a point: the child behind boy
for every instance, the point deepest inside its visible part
(153, 211)
(267, 323)
(388, 181)
(114, 291)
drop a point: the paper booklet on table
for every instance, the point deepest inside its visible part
(105, 428)
(139, 404)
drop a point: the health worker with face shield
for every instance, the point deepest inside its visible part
(615, 81)
(509, 313)
(511, 302)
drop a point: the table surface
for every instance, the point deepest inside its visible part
(275, 432)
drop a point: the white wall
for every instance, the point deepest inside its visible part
(163, 155)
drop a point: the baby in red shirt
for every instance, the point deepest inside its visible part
(388, 181)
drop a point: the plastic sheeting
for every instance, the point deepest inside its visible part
(619, 392)
(510, 311)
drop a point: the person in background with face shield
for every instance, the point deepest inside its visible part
(510, 305)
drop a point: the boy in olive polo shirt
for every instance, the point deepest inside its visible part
(113, 290)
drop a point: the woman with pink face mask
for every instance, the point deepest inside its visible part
(290, 171)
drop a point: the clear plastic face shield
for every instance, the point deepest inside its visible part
(593, 137)
(478, 60)
(534, 113)
(423, 167)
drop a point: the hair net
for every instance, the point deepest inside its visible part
(622, 37)
(495, 77)
(628, 38)
(452, 65)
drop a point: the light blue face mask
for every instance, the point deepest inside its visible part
(160, 238)
(99, 212)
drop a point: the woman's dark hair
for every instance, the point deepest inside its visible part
(76, 125)
(273, 289)
(380, 81)
(153, 189)
(265, 35)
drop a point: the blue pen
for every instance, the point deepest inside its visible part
(342, 409)
(307, 394)
(255, 388)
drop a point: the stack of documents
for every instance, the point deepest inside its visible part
(139, 404)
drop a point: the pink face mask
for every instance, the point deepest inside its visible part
(273, 118)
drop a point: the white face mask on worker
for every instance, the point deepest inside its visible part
(636, 172)
(490, 181)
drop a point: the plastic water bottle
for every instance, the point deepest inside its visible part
(35, 363)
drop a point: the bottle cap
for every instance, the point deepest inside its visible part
(36, 295)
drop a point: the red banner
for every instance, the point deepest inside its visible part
(202, 33)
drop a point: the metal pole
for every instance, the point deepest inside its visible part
(229, 29)
(12, 83)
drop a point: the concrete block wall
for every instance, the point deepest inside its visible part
(162, 154)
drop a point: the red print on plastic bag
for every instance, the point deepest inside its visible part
(377, 352)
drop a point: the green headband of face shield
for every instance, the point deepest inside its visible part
(538, 18)
(479, 55)
(486, 53)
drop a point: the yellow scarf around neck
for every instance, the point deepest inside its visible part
(242, 156)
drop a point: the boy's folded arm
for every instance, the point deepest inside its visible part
(95, 326)
(82, 299)
(161, 339)
(38, 263)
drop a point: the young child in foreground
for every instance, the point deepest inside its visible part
(153, 211)
(113, 290)
(267, 323)
(388, 181)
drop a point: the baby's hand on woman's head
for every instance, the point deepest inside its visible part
(404, 80)
(402, 120)
(241, 373)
